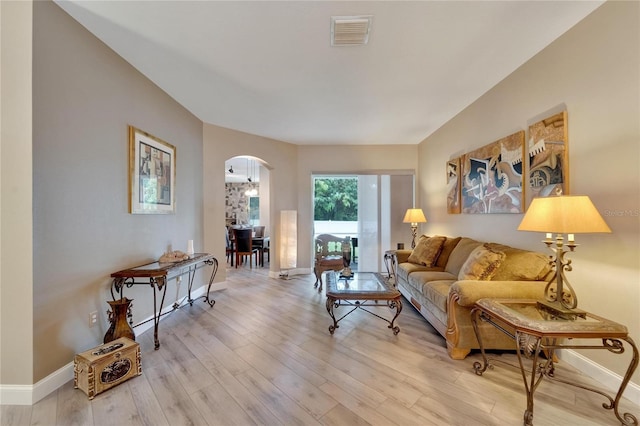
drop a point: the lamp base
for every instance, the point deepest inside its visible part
(556, 311)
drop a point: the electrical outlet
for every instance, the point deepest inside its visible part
(93, 319)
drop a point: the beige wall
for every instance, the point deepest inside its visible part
(16, 278)
(594, 72)
(85, 96)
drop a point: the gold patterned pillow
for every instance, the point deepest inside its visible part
(481, 264)
(427, 251)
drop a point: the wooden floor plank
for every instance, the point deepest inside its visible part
(116, 408)
(45, 411)
(149, 407)
(281, 405)
(15, 415)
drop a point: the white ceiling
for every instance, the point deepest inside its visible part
(268, 68)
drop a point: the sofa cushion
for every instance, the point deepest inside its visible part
(521, 265)
(447, 248)
(418, 279)
(427, 250)
(482, 264)
(460, 254)
(437, 292)
(405, 269)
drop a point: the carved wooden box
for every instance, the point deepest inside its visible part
(106, 366)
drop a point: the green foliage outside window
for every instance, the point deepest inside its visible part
(336, 199)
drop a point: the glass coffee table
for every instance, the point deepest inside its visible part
(361, 291)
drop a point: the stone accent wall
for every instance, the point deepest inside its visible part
(237, 202)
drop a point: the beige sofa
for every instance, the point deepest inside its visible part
(445, 287)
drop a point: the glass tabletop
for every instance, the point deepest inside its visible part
(527, 315)
(361, 285)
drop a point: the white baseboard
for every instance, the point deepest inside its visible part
(30, 394)
(607, 378)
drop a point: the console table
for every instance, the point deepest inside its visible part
(536, 331)
(157, 275)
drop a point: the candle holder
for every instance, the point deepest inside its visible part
(560, 298)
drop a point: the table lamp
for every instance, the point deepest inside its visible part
(414, 216)
(568, 214)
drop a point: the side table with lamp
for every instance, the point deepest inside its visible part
(414, 217)
(541, 326)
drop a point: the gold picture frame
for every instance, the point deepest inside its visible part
(152, 174)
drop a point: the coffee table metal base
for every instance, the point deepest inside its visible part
(357, 304)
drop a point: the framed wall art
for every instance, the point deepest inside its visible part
(492, 177)
(453, 186)
(548, 168)
(152, 174)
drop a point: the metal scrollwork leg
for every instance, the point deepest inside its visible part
(627, 418)
(158, 285)
(528, 347)
(397, 305)
(213, 262)
(478, 367)
(330, 305)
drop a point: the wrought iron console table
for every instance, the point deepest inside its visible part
(157, 275)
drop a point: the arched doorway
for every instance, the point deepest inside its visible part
(247, 196)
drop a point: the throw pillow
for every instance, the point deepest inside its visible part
(481, 264)
(427, 251)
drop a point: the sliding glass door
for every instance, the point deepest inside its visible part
(368, 208)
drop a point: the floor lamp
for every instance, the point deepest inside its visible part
(288, 241)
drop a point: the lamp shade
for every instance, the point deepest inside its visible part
(568, 214)
(414, 216)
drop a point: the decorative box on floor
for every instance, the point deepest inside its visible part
(106, 366)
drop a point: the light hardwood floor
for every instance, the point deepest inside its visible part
(263, 355)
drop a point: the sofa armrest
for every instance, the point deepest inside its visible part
(468, 292)
(403, 255)
(463, 295)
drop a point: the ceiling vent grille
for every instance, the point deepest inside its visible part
(350, 30)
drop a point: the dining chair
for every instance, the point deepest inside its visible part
(259, 242)
(229, 244)
(244, 245)
(259, 230)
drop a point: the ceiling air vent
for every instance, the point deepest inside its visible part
(350, 30)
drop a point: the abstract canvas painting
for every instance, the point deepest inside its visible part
(492, 177)
(548, 167)
(453, 186)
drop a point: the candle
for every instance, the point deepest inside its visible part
(190, 247)
(570, 238)
(548, 235)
